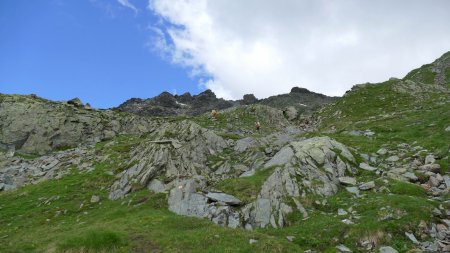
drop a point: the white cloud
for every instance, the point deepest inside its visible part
(127, 4)
(267, 47)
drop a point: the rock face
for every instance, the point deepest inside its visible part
(180, 151)
(312, 167)
(34, 125)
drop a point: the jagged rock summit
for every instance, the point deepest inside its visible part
(167, 104)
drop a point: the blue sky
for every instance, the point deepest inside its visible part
(107, 51)
(94, 50)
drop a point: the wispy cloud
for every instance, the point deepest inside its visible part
(127, 4)
(265, 47)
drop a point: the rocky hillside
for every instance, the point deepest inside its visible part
(368, 173)
(30, 124)
(299, 100)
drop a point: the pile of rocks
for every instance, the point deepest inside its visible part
(412, 164)
(433, 237)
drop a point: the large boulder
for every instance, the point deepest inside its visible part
(186, 198)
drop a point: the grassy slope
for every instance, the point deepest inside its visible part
(141, 222)
(27, 224)
(394, 117)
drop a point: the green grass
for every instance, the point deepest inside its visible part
(57, 216)
(26, 156)
(142, 221)
(245, 188)
(94, 241)
(324, 229)
(409, 189)
(394, 117)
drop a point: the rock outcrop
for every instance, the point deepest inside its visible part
(34, 125)
(16, 171)
(179, 167)
(175, 151)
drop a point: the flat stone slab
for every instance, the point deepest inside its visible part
(347, 180)
(367, 167)
(223, 197)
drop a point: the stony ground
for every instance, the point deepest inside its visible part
(369, 173)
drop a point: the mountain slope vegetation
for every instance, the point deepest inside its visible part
(369, 172)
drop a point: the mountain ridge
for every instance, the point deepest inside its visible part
(167, 104)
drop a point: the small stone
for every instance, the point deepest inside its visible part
(436, 212)
(342, 212)
(367, 167)
(353, 190)
(382, 151)
(343, 248)
(252, 241)
(447, 129)
(410, 176)
(429, 159)
(367, 186)
(412, 238)
(393, 158)
(431, 167)
(290, 238)
(95, 199)
(447, 180)
(347, 180)
(347, 221)
(387, 249)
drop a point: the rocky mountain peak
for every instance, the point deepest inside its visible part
(299, 90)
